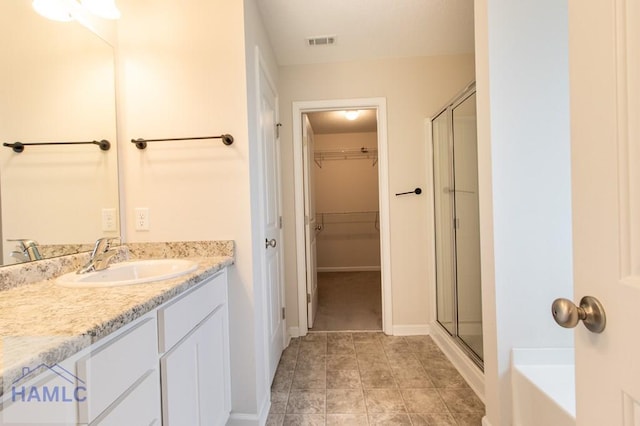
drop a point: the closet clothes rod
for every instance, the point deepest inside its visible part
(104, 144)
(227, 139)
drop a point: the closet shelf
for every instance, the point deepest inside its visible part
(348, 218)
(363, 153)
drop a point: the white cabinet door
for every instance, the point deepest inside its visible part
(195, 375)
(139, 406)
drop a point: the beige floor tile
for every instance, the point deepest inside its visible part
(394, 344)
(341, 362)
(304, 420)
(411, 378)
(309, 379)
(308, 360)
(340, 337)
(314, 337)
(275, 419)
(446, 378)
(389, 419)
(343, 379)
(306, 401)
(347, 420)
(378, 365)
(377, 379)
(432, 419)
(313, 347)
(414, 383)
(384, 401)
(288, 361)
(340, 347)
(279, 402)
(462, 400)
(469, 419)
(366, 336)
(423, 401)
(282, 380)
(369, 347)
(403, 359)
(422, 344)
(345, 401)
(430, 361)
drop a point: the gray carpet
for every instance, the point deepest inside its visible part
(349, 301)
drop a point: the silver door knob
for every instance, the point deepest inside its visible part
(590, 311)
(270, 243)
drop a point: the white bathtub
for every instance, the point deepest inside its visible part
(543, 387)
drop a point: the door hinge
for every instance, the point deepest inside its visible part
(308, 297)
(283, 313)
(280, 222)
(278, 125)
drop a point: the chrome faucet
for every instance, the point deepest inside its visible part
(26, 250)
(100, 256)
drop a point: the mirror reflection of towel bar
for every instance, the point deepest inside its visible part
(19, 146)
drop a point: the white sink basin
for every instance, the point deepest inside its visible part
(129, 273)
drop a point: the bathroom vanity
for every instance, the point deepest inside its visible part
(154, 353)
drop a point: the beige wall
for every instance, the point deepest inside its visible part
(182, 73)
(347, 241)
(414, 89)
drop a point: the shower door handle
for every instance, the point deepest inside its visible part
(590, 311)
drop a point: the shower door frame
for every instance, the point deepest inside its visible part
(448, 109)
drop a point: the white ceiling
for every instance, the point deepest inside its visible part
(367, 29)
(335, 122)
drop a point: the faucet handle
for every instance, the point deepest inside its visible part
(102, 245)
(28, 247)
(24, 242)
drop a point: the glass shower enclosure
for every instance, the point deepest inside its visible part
(457, 226)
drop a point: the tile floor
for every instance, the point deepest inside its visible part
(368, 378)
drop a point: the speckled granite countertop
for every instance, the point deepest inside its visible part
(41, 322)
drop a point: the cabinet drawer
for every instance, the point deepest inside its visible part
(115, 366)
(182, 315)
(50, 397)
(139, 406)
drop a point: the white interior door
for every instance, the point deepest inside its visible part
(272, 228)
(310, 220)
(604, 46)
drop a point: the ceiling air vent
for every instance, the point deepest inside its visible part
(321, 41)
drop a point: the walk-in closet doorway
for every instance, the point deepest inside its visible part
(342, 216)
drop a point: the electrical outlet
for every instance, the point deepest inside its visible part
(142, 218)
(109, 220)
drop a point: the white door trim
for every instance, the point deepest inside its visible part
(299, 108)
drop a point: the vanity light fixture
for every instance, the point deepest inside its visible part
(68, 10)
(56, 10)
(103, 8)
(351, 114)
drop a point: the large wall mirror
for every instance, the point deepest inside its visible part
(57, 84)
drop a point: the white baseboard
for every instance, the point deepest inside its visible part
(294, 332)
(241, 419)
(411, 330)
(347, 268)
(467, 368)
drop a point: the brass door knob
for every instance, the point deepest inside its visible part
(590, 311)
